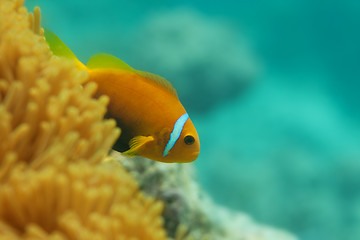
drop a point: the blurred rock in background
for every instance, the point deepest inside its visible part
(206, 59)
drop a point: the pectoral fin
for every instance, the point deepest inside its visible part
(136, 144)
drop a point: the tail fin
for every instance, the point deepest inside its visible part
(60, 49)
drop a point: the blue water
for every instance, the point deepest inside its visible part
(272, 87)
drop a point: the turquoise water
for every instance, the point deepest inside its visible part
(272, 87)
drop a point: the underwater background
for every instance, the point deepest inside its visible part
(272, 87)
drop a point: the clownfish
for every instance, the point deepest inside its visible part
(153, 122)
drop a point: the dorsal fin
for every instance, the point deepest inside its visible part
(58, 48)
(106, 61)
(158, 80)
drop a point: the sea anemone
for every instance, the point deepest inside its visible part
(54, 180)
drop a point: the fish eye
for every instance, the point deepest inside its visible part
(189, 140)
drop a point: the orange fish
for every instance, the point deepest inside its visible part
(145, 106)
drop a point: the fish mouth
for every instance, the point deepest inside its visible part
(196, 153)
